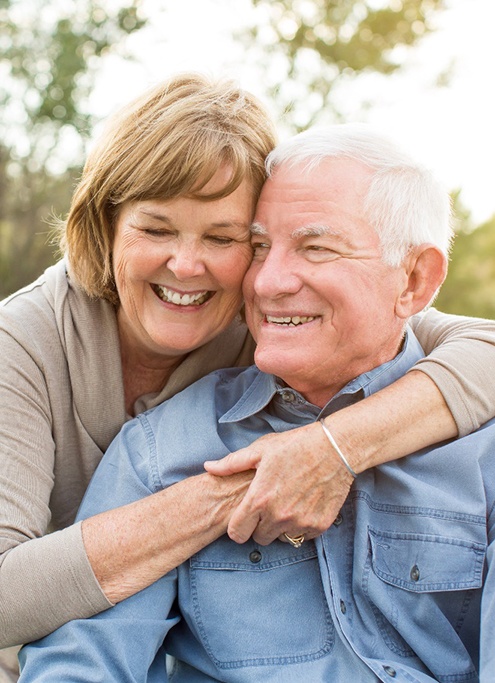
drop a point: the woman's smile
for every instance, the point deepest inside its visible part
(186, 299)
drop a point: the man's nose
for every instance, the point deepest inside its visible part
(277, 276)
(186, 261)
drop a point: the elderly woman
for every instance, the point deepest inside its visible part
(145, 302)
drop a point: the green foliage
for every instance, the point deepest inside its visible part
(316, 45)
(49, 55)
(470, 285)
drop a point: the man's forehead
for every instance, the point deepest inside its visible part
(330, 176)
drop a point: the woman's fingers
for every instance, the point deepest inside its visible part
(300, 485)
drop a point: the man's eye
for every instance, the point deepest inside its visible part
(317, 252)
(260, 248)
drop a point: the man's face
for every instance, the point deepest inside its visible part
(320, 302)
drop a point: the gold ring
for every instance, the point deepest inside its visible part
(296, 541)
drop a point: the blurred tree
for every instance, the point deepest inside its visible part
(470, 284)
(310, 48)
(49, 54)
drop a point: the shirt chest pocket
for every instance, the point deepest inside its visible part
(256, 605)
(429, 580)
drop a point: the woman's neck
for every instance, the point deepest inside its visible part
(144, 372)
(141, 380)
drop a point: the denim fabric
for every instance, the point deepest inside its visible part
(391, 592)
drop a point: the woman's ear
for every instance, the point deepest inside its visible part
(425, 269)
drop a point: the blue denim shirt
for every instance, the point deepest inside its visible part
(391, 592)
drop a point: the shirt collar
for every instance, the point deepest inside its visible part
(261, 388)
(385, 374)
(255, 396)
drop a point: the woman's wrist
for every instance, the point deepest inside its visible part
(406, 416)
(352, 442)
(129, 547)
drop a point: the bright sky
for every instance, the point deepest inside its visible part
(450, 129)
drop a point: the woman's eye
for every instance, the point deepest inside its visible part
(220, 241)
(157, 232)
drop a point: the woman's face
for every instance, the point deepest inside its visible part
(179, 267)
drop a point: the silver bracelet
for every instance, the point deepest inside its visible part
(337, 449)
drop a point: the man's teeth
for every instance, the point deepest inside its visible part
(172, 297)
(290, 320)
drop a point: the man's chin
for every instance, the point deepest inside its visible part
(273, 362)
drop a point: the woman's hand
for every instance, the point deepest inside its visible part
(300, 482)
(299, 486)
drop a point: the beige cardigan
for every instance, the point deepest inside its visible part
(62, 402)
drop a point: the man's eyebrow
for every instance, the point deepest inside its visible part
(258, 229)
(321, 230)
(310, 230)
(315, 230)
(305, 231)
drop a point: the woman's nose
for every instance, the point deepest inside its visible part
(186, 261)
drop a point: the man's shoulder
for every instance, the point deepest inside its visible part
(182, 432)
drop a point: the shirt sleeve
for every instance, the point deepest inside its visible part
(487, 651)
(461, 352)
(124, 642)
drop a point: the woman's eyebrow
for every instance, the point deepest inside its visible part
(154, 214)
(157, 216)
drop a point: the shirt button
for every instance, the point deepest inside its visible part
(414, 573)
(338, 520)
(343, 608)
(288, 396)
(255, 556)
(390, 671)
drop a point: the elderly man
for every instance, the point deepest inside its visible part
(350, 239)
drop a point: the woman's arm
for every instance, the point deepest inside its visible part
(130, 547)
(135, 546)
(301, 484)
(46, 578)
(461, 361)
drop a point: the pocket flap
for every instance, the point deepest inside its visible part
(426, 562)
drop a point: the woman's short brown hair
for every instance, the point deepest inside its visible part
(167, 143)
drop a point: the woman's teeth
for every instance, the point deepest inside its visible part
(172, 297)
(290, 320)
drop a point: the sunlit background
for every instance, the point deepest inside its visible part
(441, 104)
(420, 69)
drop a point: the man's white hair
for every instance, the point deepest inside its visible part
(405, 204)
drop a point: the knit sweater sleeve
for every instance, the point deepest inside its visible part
(461, 362)
(45, 578)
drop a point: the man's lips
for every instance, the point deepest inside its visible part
(172, 297)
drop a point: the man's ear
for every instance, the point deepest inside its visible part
(425, 268)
